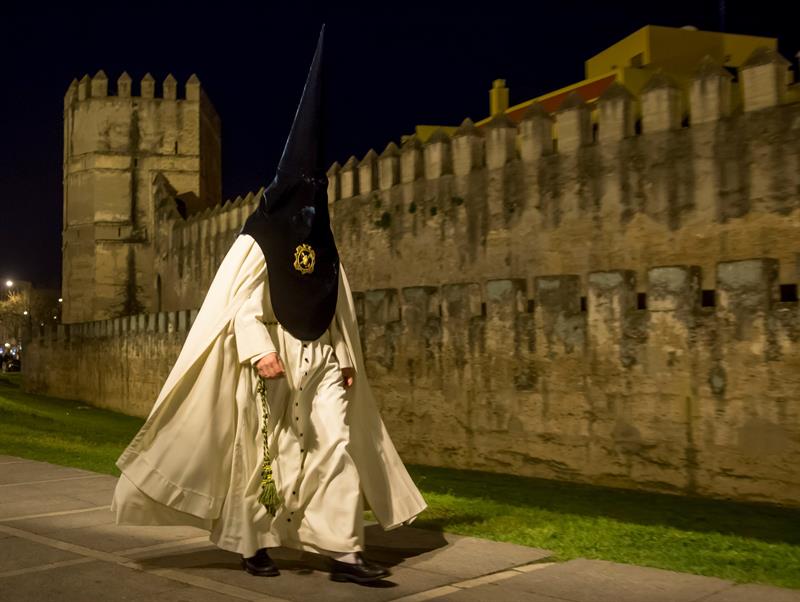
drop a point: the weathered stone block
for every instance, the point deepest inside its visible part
(468, 148)
(558, 315)
(573, 123)
(438, 157)
(368, 173)
(673, 288)
(535, 133)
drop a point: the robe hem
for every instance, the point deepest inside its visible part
(151, 482)
(283, 542)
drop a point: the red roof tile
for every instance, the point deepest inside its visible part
(589, 91)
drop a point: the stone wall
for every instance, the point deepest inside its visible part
(667, 390)
(714, 180)
(605, 294)
(119, 149)
(119, 364)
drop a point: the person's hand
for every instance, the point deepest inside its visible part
(270, 366)
(348, 375)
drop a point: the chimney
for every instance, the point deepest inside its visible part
(498, 97)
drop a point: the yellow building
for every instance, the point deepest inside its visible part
(632, 61)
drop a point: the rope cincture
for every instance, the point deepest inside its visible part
(269, 496)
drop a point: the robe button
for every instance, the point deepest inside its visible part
(302, 451)
(294, 493)
(306, 359)
(288, 520)
(297, 417)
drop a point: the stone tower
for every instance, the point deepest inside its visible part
(118, 151)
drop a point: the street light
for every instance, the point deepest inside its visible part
(60, 300)
(9, 283)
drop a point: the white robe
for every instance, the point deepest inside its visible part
(196, 460)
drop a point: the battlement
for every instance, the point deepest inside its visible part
(669, 177)
(97, 87)
(233, 208)
(763, 83)
(189, 249)
(672, 176)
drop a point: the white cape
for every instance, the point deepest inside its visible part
(177, 468)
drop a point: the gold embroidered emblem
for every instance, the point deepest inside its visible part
(304, 259)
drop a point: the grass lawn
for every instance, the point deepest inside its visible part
(742, 542)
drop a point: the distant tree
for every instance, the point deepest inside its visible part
(129, 296)
(12, 306)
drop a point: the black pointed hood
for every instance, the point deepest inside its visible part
(291, 223)
(303, 152)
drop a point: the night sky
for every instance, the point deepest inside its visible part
(390, 70)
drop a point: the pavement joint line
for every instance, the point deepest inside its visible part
(452, 588)
(16, 462)
(48, 514)
(210, 584)
(167, 545)
(63, 545)
(47, 567)
(430, 594)
(484, 579)
(502, 575)
(119, 559)
(533, 566)
(91, 476)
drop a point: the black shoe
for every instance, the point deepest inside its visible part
(260, 564)
(360, 571)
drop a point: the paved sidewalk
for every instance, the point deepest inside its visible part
(58, 542)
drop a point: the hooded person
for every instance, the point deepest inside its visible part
(266, 432)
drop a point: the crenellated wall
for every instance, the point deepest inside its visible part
(663, 391)
(189, 251)
(117, 147)
(119, 363)
(605, 294)
(628, 182)
(650, 182)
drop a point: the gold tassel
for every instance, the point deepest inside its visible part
(269, 492)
